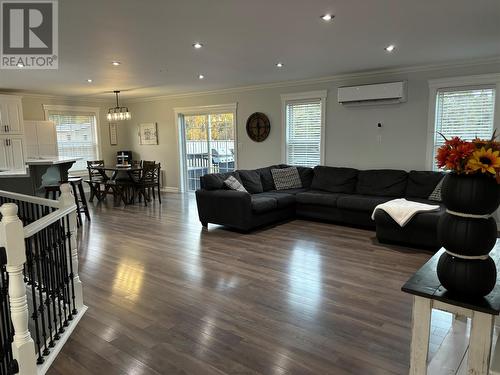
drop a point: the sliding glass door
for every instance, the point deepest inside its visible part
(208, 146)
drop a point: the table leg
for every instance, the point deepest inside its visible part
(480, 344)
(420, 331)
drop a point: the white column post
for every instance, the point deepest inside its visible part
(67, 200)
(11, 230)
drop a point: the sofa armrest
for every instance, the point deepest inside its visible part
(226, 207)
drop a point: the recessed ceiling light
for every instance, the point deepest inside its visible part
(89, 80)
(201, 76)
(20, 65)
(279, 65)
(197, 45)
(327, 17)
(390, 48)
(115, 63)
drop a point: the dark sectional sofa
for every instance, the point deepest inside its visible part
(335, 194)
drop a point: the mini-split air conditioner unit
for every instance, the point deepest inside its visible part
(381, 93)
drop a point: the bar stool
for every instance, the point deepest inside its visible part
(80, 200)
(52, 190)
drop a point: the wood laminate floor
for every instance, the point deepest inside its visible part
(166, 297)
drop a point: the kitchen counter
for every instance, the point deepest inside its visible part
(51, 160)
(19, 173)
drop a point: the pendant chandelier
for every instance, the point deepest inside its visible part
(118, 113)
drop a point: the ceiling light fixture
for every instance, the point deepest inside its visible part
(118, 113)
(201, 76)
(115, 63)
(197, 45)
(390, 48)
(279, 65)
(327, 17)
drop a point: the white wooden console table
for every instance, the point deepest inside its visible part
(428, 294)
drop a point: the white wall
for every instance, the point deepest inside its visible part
(351, 132)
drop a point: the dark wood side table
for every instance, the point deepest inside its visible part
(428, 294)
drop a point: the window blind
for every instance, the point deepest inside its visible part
(76, 137)
(303, 132)
(464, 113)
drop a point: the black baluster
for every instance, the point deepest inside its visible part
(31, 277)
(71, 272)
(41, 282)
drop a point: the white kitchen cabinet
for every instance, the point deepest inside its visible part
(12, 152)
(41, 138)
(11, 115)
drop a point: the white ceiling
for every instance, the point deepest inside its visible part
(245, 38)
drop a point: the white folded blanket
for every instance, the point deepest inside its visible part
(402, 210)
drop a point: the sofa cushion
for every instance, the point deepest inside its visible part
(357, 202)
(382, 182)
(318, 197)
(266, 178)
(286, 178)
(422, 183)
(261, 204)
(334, 179)
(291, 191)
(251, 181)
(283, 199)
(215, 181)
(306, 176)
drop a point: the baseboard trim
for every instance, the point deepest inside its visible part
(170, 189)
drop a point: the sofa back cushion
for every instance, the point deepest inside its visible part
(334, 179)
(421, 184)
(215, 181)
(382, 182)
(251, 181)
(266, 178)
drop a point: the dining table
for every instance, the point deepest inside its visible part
(131, 173)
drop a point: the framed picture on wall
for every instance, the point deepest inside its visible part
(148, 133)
(113, 135)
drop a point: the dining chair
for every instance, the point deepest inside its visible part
(149, 181)
(96, 180)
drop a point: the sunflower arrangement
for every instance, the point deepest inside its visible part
(470, 157)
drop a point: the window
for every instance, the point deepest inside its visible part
(76, 133)
(463, 112)
(304, 119)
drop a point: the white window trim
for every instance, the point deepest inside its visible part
(201, 110)
(69, 108)
(452, 83)
(285, 99)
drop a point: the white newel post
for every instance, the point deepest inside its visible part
(67, 200)
(23, 347)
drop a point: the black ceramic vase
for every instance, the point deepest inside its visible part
(468, 234)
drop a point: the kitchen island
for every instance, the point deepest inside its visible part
(40, 172)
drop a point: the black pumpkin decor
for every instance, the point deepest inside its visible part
(468, 234)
